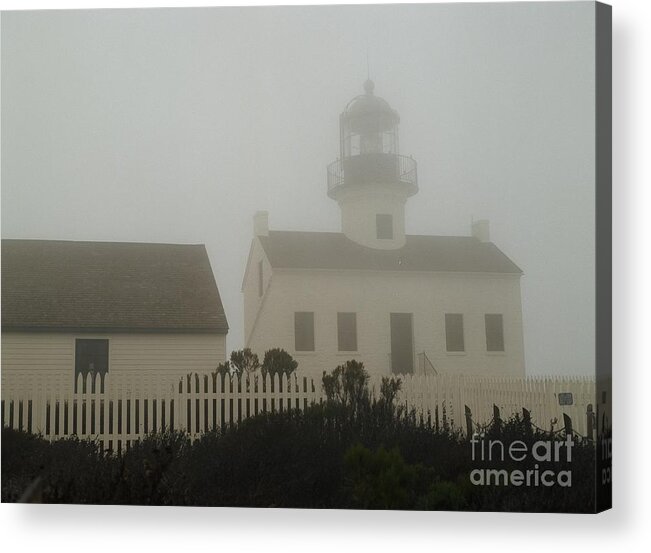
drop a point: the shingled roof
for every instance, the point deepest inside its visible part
(109, 286)
(333, 250)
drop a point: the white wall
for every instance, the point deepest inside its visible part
(45, 355)
(373, 296)
(359, 207)
(252, 299)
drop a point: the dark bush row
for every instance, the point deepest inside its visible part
(351, 452)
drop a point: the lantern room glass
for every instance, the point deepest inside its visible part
(359, 138)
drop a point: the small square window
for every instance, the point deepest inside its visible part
(565, 398)
(304, 331)
(384, 226)
(454, 332)
(494, 332)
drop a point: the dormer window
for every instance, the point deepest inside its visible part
(384, 226)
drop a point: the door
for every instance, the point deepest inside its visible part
(402, 343)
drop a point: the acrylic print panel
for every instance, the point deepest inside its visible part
(284, 257)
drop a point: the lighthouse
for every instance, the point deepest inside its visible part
(400, 304)
(371, 181)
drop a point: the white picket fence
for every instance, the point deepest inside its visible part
(446, 397)
(119, 411)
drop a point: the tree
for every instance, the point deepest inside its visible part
(389, 389)
(347, 384)
(244, 361)
(223, 369)
(278, 361)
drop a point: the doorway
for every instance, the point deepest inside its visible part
(402, 343)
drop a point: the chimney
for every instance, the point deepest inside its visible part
(481, 230)
(261, 223)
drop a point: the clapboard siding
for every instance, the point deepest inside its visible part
(53, 354)
(25, 353)
(373, 295)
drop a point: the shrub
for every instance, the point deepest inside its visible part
(223, 369)
(380, 479)
(244, 361)
(351, 451)
(278, 361)
(348, 385)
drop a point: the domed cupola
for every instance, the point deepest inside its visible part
(370, 109)
(371, 180)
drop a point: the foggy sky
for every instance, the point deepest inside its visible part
(176, 125)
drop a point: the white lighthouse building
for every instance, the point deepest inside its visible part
(399, 303)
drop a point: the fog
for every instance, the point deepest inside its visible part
(176, 125)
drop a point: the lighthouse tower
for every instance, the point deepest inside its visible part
(371, 181)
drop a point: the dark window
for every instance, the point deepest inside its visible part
(91, 356)
(565, 398)
(454, 332)
(384, 226)
(260, 279)
(304, 331)
(494, 332)
(347, 331)
(402, 343)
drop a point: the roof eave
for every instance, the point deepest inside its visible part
(114, 330)
(518, 273)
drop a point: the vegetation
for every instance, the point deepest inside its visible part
(244, 362)
(278, 361)
(353, 451)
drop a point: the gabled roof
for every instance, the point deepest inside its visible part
(333, 250)
(103, 286)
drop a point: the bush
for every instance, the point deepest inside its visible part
(380, 479)
(278, 362)
(244, 361)
(348, 452)
(347, 385)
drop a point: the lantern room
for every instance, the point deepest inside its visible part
(369, 146)
(368, 125)
(371, 180)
